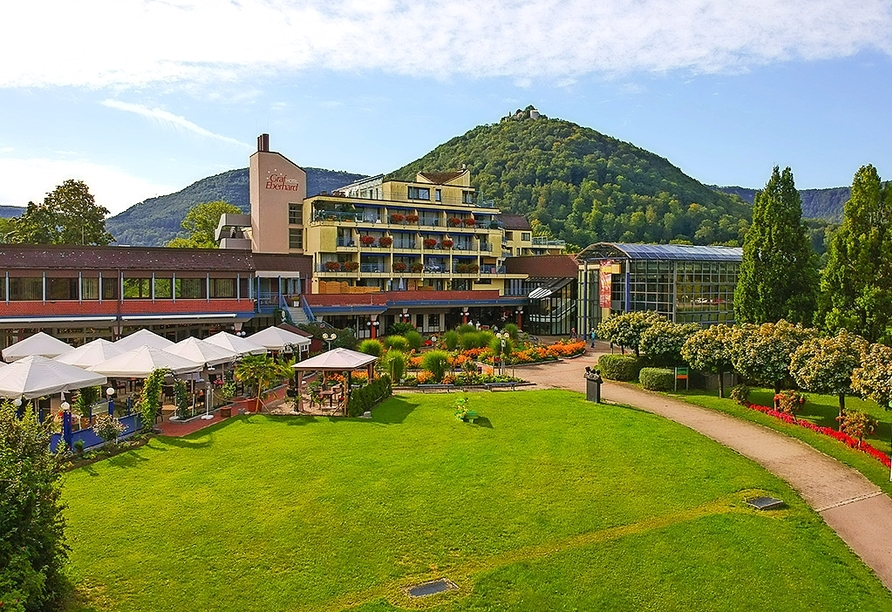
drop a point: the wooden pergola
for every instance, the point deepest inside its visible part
(338, 360)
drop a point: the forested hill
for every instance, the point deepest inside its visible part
(155, 221)
(585, 186)
(826, 204)
(7, 212)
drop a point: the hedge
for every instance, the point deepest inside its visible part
(619, 367)
(366, 397)
(657, 379)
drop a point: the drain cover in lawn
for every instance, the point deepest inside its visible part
(765, 503)
(431, 588)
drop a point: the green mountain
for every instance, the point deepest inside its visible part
(155, 221)
(826, 204)
(584, 186)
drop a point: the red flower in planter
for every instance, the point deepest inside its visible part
(397, 218)
(447, 243)
(429, 243)
(367, 240)
(400, 266)
(351, 266)
(332, 266)
(454, 221)
(412, 218)
(385, 241)
(469, 221)
(416, 267)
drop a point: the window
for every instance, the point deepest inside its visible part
(509, 235)
(526, 236)
(191, 288)
(439, 195)
(90, 288)
(295, 238)
(222, 287)
(137, 288)
(295, 214)
(61, 288)
(110, 288)
(163, 288)
(433, 322)
(419, 193)
(467, 197)
(26, 288)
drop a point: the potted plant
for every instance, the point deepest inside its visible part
(367, 240)
(446, 243)
(429, 243)
(397, 218)
(260, 371)
(351, 266)
(385, 241)
(469, 221)
(399, 266)
(454, 221)
(333, 266)
(416, 267)
(411, 218)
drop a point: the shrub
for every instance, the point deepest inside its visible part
(619, 367)
(365, 398)
(371, 347)
(476, 339)
(657, 379)
(397, 343)
(451, 339)
(108, 427)
(436, 362)
(512, 330)
(857, 424)
(400, 329)
(395, 365)
(414, 339)
(465, 328)
(86, 397)
(32, 540)
(789, 401)
(740, 394)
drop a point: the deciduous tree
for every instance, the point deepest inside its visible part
(662, 341)
(857, 283)
(200, 225)
(68, 215)
(762, 352)
(873, 379)
(709, 350)
(778, 274)
(625, 329)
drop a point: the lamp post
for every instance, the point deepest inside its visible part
(110, 394)
(464, 315)
(519, 314)
(329, 337)
(67, 434)
(373, 328)
(503, 339)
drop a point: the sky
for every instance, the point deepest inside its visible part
(140, 98)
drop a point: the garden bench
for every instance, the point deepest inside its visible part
(425, 387)
(470, 416)
(492, 386)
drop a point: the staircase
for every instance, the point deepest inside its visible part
(298, 315)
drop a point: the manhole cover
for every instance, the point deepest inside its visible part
(431, 588)
(765, 503)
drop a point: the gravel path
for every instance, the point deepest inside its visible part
(859, 512)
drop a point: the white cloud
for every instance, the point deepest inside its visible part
(168, 119)
(132, 43)
(24, 180)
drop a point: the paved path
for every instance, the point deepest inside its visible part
(859, 512)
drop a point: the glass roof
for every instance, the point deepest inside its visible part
(683, 252)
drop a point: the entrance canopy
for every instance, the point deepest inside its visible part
(37, 376)
(39, 344)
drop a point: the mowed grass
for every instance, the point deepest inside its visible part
(821, 410)
(548, 503)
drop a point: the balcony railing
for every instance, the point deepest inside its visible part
(335, 216)
(548, 242)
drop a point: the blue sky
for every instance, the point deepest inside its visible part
(141, 98)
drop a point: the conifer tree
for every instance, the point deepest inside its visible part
(856, 287)
(778, 273)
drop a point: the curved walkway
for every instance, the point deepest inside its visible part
(850, 504)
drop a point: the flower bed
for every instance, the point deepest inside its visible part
(846, 439)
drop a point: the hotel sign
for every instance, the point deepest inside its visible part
(281, 182)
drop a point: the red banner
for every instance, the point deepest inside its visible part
(605, 283)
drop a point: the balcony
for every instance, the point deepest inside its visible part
(541, 241)
(332, 216)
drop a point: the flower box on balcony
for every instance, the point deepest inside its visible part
(447, 243)
(399, 266)
(333, 266)
(397, 218)
(367, 240)
(385, 241)
(416, 267)
(429, 243)
(454, 221)
(351, 266)
(469, 222)
(411, 218)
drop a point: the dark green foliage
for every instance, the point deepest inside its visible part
(619, 367)
(451, 339)
(86, 397)
(365, 398)
(200, 225)
(857, 282)
(371, 347)
(156, 221)
(512, 330)
(436, 362)
(778, 273)
(465, 328)
(345, 337)
(399, 329)
(586, 187)
(32, 540)
(68, 215)
(149, 403)
(825, 204)
(181, 396)
(8, 212)
(476, 339)
(394, 363)
(397, 343)
(657, 379)
(414, 339)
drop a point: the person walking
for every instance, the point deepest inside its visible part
(592, 335)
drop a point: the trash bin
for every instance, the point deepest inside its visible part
(593, 382)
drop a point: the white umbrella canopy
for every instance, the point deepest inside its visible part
(276, 338)
(141, 362)
(336, 359)
(143, 337)
(203, 352)
(37, 376)
(39, 344)
(242, 346)
(91, 353)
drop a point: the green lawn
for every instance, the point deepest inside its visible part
(548, 503)
(820, 410)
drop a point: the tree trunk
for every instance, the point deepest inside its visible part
(721, 384)
(842, 410)
(776, 391)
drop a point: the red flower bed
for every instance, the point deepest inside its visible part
(845, 438)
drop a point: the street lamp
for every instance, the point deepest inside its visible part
(503, 339)
(110, 394)
(329, 337)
